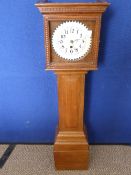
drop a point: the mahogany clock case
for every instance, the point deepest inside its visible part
(71, 149)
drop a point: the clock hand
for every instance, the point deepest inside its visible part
(76, 40)
(72, 41)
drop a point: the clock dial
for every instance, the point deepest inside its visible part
(71, 40)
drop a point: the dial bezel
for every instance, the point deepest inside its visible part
(53, 61)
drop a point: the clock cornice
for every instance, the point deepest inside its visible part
(47, 8)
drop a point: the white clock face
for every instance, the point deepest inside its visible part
(71, 40)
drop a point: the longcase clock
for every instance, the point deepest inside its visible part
(71, 32)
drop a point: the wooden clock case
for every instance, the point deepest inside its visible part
(71, 149)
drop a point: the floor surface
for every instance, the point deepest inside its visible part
(38, 160)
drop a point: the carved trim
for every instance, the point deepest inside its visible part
(76, 17)
(72, 10)
(72, 7)
(47, 42)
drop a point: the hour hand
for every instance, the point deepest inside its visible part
(76, 40)
(72, 41)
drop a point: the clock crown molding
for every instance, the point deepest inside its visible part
(47, 8)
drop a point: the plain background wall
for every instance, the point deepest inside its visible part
(28, 94)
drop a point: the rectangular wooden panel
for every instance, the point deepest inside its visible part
(71, 101)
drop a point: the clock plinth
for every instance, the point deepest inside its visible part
(72, 36)
(71, 149)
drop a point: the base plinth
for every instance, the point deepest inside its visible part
(71, 151)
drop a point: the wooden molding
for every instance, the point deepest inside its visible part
(48, 8)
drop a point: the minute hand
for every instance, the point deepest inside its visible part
(76, 40)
